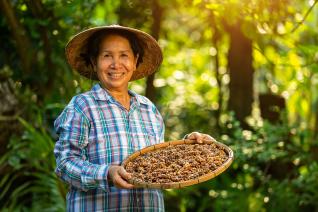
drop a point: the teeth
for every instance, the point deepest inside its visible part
(115, 75)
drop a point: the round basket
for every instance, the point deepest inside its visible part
(181, 184)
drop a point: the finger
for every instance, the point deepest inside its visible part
(121, 183)
(208, 138)
(200, 140)
(124, 174)
(196, 136)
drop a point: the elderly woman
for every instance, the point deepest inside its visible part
(98, 129)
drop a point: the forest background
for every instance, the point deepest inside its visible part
(243, 71)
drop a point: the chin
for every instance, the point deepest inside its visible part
(115, 85)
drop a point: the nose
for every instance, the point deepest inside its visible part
(115, 63)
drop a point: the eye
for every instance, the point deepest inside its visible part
(106, 55)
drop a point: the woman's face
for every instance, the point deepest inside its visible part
(115, 63)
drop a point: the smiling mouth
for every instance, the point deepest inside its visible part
(115, 75)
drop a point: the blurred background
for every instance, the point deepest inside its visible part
(243, 71)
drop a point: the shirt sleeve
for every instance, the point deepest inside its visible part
(70, 152)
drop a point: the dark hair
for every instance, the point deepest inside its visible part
(93, 44)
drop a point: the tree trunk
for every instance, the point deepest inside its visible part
(157, 11)
(241, 73)
(23, 43)
(39, 77)
(316, 126)
(215, 42)
(39, 12)
(271, 106)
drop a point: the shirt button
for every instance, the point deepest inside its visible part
(138, 201)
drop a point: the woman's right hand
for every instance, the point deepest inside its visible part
(119, 176)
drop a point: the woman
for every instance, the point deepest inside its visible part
(98, 129)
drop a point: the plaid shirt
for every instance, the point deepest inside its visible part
(96, 131)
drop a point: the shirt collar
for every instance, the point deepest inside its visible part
(101, 94)
(140, 99)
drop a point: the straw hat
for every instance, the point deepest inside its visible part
(77, 47)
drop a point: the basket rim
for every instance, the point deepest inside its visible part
(203, 178)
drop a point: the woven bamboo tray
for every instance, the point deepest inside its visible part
(181, 184)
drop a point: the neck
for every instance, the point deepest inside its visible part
(121, 96)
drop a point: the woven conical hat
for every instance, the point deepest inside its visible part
(77, 47)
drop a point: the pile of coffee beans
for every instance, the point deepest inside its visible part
(176, 163)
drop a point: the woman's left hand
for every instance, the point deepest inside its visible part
(199, 137)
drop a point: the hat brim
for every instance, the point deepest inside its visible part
(76, 47)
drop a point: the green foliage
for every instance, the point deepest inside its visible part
(275, 165)
(30, 181)
(270, 171)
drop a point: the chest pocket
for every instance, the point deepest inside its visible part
(150, 128)
(152, 132)
(141, 131)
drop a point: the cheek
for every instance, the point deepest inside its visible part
(129, 64)
(102, 65)
(103, 61)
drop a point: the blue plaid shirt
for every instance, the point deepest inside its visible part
(95, 131)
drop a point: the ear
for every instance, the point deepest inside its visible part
(94, 64)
